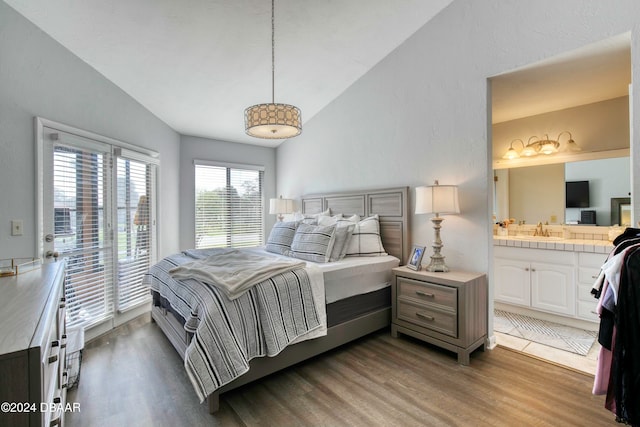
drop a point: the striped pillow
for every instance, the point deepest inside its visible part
(313, 242)
(365, 239)
(281, 237)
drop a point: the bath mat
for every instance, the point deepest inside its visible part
(543, 332)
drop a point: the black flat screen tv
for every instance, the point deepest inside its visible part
(577, 194)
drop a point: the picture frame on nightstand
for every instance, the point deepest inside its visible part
(416, 257)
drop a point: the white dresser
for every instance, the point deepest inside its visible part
(33, 373)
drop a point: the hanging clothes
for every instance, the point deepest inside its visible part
(618, 290)
(625, 367)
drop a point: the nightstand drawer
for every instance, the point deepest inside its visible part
(427, 317)
(428, 293)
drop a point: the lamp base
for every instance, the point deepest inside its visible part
(437, 259)
(437, 264)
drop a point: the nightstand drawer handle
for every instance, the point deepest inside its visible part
(424, 316)
(424, 294)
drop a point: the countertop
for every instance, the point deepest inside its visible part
(554, 243)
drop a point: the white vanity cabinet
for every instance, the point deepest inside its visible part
(539, 279)
(553, 288)
(512, 281)
(588, 270)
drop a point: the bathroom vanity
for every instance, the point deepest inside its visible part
(549, 278)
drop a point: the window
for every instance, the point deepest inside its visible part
(97, 210)
(229, 205)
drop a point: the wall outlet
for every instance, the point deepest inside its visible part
(16, 227)
(554, 219)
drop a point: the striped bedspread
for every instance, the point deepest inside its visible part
(228, 334)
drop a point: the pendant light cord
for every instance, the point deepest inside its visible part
(273, 54)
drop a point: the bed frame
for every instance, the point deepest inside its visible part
(392, 207)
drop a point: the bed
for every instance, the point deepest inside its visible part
(348, 316)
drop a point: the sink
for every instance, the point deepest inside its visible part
(537, 238)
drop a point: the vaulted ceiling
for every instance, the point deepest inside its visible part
(198, 64)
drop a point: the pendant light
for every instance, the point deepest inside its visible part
(273, 121)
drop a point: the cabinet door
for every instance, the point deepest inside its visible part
(553, 288)
(512, 283)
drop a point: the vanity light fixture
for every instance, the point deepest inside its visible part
(271, 120)
(537, 146)
(437, 199)
(571, 146)
(511, 152)
(529, 150)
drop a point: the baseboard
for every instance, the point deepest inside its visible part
(492, 341)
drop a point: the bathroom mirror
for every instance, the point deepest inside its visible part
(621, 211)
(537, 193)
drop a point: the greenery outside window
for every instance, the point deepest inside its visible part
(229, 205)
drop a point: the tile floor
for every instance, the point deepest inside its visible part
(586, 364)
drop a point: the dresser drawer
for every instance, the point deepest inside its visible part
(428, 317)
(427, 293)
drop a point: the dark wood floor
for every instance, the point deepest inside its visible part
(134, 377)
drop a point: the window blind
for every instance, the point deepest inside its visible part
(134, 236)
(229, 206)
(80, 195)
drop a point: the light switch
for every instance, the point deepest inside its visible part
(16, 227)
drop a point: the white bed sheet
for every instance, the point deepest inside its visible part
(356, 275)
(360, 274)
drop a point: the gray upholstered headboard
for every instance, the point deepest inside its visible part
(391, 205)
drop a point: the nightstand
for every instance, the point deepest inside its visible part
(445, 309)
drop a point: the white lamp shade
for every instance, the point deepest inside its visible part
(280, 206)
(438, 199)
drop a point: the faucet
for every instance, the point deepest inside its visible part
(540, 231)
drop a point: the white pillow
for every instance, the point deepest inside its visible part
(353, 219)
(343, 234)
(281, 237)
(329, 220)
(365, 239)
(299, 216)
(313, 242)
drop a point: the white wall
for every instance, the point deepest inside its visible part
(39, 77)
(607, 178)
(421, 114)
(192, 148)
